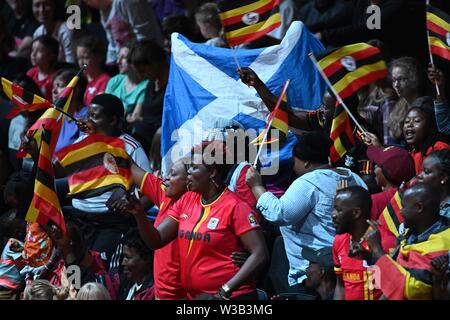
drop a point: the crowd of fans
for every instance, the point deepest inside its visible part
(216, 230)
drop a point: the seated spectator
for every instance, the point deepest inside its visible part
(128, 86)
(22, 27)
(304, 211)
(320, 274)
(406, 275)
(44, 290)
(50, 15)
(441, 106)
(150, 61)
(421, 133)
(393, 167)
(208, 20)
(436, 172)
(44, 53)
(136, 283)
(69, 131)
(352, 208)
(93, 291)
(91, 52)
(126, 21)
(407, 77)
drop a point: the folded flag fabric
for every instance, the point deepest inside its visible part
(22, 99)
(95, 165)
(438, 25)
(45, 206)
(351, 67)
(248, 20)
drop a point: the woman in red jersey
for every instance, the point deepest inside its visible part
(211, 223)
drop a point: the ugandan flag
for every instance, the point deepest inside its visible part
(391, 217)
(278, 120)
(95, 165)
(438, 25)
(45, 206)
(248, 20)
(351, 67)
(52, 119)
(22, 99)
(342, 134)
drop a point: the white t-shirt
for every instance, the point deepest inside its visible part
(64, 36)
(97, 204)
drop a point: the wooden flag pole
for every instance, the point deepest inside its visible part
(283, 92)
(431, 54)
(338, 97)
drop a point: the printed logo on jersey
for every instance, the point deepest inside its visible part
(252, 220)
(212, 224)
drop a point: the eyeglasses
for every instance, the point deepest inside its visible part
(401, 80)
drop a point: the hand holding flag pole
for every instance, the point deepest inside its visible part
(283, 93)
(338, 97)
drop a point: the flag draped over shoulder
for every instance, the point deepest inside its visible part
(351, 67)
(391, 217)
(22, 99)
(95, 165)
(438, 25)
(248, 20)
(204, 87)
(45, 205)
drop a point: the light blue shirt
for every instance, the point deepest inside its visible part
(304, 214)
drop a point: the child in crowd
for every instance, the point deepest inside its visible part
(92, 52)
(129, 87)
(44, 54)
(208, 20)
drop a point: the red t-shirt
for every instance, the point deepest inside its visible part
(418, 157)
(243, 191)
(95, 87)
(45, 85)
(207, 235)
(380, 201)
(166, 264)
(358, 281)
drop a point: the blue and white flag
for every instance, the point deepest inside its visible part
(204, 87)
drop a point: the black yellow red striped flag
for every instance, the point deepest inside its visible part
(342, 134)
(278, 119)
(248, 20)
(351, 67)
(22, 99)
(438, 26)
(391, 216)
(45, 206)
(95, 165)
(52, 119)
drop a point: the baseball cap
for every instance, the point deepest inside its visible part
(396, 163)
(323, 256)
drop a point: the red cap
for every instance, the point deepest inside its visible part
(396, 163)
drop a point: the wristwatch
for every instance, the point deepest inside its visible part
(225, 292)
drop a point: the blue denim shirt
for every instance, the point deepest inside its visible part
(442, 113)
(304, 214)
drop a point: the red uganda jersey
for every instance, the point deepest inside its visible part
(418, 157)
(45, 85)
(95, 87)
(357, 279)
(243, 191)
(166, 263)
(207, 235)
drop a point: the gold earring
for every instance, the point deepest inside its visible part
(214, 182)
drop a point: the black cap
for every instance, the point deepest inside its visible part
(111, 104)
(323, 256)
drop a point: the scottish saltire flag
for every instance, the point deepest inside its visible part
(204, 87)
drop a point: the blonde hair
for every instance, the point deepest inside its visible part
(44, 290)
(93, 291)
(397, 118)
